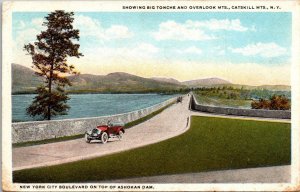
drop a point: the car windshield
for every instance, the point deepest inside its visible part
(114, 124)
(95, 131)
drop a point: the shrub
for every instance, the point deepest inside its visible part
(261, 104)
(276, 102)
(279, 102)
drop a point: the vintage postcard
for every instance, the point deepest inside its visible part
(150, 96)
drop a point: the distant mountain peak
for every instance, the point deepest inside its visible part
(119, 74)
(165, 79)
(205, 82)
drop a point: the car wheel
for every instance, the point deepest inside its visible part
(120, 135)
(87, 138)
(104, 137)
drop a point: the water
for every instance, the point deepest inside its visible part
(91, 105)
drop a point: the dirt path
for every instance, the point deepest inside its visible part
(171, 122)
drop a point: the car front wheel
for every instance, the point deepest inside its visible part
(120, 135)
(104, 137)
(87, 139)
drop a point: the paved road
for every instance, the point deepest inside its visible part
(275, 174)
(199, 113)
(171, 122)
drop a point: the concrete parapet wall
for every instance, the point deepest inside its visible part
(41, 130)
(278, 114)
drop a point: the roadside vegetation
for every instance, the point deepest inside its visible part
(228, 96)
(211, 143)
(276, 102)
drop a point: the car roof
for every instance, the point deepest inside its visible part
(117, 123)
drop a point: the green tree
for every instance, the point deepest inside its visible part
(49, 57)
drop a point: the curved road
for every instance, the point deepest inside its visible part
(169, 123)
(275, 174)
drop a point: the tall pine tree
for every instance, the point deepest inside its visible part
(49, 57)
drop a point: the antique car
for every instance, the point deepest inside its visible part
(104, 132)
(179, 99)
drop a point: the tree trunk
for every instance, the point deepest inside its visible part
(50, 86)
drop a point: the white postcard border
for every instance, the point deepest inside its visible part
(116, 6)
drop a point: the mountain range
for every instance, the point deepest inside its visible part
(25, 81)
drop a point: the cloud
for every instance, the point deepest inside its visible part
(92, 27)
(214, 24)
(221, 52)
(218, 50)
(23, 37)
(137, 51)
(267, 50)
(37, 22)
(26, 36)
(171, 30)
(118, 32)
(27, 31)
(20, 25)
(196, 30)
(191, 50)
(146, 47)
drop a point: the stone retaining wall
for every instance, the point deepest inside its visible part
(278, 114)
(40, 130)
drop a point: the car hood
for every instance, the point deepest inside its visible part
(102, 127)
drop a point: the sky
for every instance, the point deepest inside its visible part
(243, 48)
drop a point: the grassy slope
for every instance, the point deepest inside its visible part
(210, 144)
(219, 102)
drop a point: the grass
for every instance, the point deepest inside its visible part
(210, 144)
(66, 138)
(221, 102)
